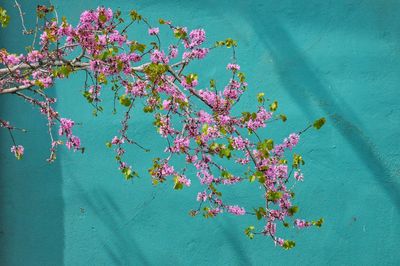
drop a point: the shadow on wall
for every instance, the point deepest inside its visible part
(31, 203)
(118, 243)
(301, 81)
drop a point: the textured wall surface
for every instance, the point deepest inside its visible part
(338, 59)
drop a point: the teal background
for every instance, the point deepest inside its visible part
(338, 59)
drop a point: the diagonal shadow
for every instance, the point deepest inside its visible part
(303, 83)
(124, 249)
(31, 202)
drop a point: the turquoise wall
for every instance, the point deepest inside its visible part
(338, 59)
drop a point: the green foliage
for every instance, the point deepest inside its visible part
(241, 77)
(260, 97)
(297, 160)
(265, 146)
(102, 17)
(190, 78)
(273, 106)
(177, 185)
(155, 70)
(226, 175)
(136, 46)
(292, 210)
(249, 231)
(102, 79)
(180, 33)
(87, 96)
(125, 100)
(214, 190)
(260, 213)
(212, 84)
(288, 244)
(318, 223)
(274, 195)
(259, 176)
(62, 71)
(319, 123)
(283, 117)
(4, 17)
(128, 173)
(135, 16)
(228, 43)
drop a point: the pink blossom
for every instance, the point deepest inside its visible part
(117, 141)
(12, 59)
(183, 180)
(292, 140)
(154, 31)
(189, 85)
(158, 56)
(279, 241)
(198, 53)
(234, 67)
(239, 143)
(65, 126)
(166, 170)
(173, 51)
(270, 228)
(298, 175)
(18, 151)
(73, 142)
(34, 56)
(196, 37)
(181, 144)
(202, 196)
(205, 117)
(236, 210)
(301, 223)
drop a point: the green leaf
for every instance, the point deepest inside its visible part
(102, 17)
(252, 178)
(274, 195)
(125, 100)
(136, 46)
(249, 231)
(155, 70)
(273, 106)
(4, 17)
(191, 77)
(177, 185)
(292, 210)
(288, 244)
(318, 223)
(225, 174)
(180, 33)
(212, 84)
(230, 42)
(319, 123)
(260, 213)
(260, 97)
(283, 117)
(297, 160)
(135, 15)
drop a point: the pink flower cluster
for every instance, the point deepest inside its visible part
(18, 151)
(66, 129)
(144, 74)
(236, 210)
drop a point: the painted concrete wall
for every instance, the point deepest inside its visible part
(338, 59)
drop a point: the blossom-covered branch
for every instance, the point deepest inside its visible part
(197, 122)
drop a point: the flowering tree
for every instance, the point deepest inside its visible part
(198, 124)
